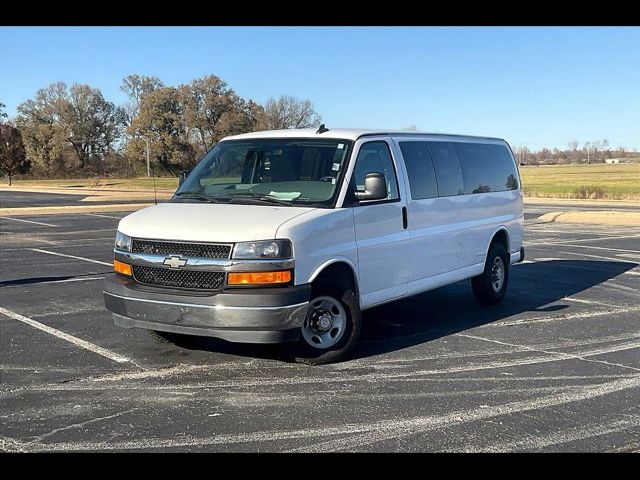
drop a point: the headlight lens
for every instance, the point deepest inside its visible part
(263, 249)
(123, 242)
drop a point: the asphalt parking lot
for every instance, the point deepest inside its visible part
(555, 367)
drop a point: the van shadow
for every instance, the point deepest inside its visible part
(452, 309)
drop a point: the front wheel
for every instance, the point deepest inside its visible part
(489, 287)
(330, 329)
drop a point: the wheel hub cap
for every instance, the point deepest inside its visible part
(497, 274)
(325, 323)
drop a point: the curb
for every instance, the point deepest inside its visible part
(627, 219)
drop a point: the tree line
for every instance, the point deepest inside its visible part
(596, 151)
(74, 131)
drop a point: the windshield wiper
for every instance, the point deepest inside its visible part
(200, 195)
(264, 198)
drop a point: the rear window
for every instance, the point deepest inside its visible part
(486, 168)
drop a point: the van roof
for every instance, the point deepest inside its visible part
(344, 133)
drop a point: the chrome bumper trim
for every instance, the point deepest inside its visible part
(210, 307)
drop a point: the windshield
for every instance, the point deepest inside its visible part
(280, 171)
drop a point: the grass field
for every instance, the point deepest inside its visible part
(615, 182)
(107, 183)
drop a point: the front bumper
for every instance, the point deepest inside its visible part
(249, 315)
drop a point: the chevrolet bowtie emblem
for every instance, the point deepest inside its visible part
(174, 262)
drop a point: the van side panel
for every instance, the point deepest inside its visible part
(450, 236)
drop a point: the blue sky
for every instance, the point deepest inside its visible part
(533, 86)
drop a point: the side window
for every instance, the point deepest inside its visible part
(422, 175)
(448, 171)
(487, 168)
(376, 157)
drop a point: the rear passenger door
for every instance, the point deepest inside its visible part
(436, 211)
(381, 237)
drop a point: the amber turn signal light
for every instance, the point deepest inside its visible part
(259, 278)
(122, 268)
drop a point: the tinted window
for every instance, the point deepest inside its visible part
(486, 168)
(422, 176)
(448, 171)
(375, 157)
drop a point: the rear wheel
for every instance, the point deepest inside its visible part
(490, 287)
(330, 329)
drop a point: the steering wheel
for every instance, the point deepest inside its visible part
(328, 178)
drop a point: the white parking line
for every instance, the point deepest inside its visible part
(385, 430)
(65, 336)
(559, 438)
(103, 216)
(574, 240)
(71, 256)
(636, 252)
(69, 280)
(594, 256)
(29, 221)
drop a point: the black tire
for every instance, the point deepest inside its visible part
(483, 285)
(302, 352)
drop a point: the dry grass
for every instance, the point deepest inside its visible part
(601, 181)
(106, 183)
(614, 182)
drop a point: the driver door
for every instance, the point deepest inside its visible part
(381, 232)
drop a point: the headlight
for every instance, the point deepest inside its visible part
(123, 242)
(263, 249)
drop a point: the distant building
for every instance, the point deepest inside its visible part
(615, 160)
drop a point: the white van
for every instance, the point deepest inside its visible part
(287, 236)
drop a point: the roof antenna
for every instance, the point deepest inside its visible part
(322, 129)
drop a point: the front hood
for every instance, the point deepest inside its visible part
(206, 222)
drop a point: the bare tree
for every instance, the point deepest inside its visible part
(290, 112)
(522, 154)
(137, 87)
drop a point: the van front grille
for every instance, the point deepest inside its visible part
(165, 277)
(185, 249)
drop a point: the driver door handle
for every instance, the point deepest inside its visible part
(405, 220)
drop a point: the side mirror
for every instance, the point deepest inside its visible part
(375, 188)
(182, 176)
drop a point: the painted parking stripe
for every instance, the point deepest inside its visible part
(103, 216)
(29, 221)
(592, 256)
(65, 336)
(559, 438)
(385, 430)
(71, 256)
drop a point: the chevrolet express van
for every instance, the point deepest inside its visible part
(287, 236)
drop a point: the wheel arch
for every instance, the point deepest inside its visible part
(500, 235)
(344, 269)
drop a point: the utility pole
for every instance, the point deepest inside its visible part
(587, 154)
(148, 164)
